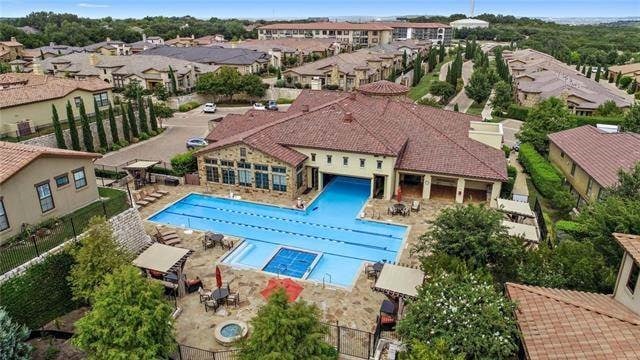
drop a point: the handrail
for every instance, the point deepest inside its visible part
(323, 278)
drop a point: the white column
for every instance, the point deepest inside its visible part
(495, 193)
(460, 191)
(426, 186)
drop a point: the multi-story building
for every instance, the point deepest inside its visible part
(246, 61)
(435, 33)
(10, 50)
(109, 47)
(355, 34)
(187, 41)
(590, 159)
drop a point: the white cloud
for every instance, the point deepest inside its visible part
(91, 5)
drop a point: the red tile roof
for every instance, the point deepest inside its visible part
(630, 243)
(414, 25)
(422, 138)
(566, 324)
(599, 154)
(326, 26)
(383, 87)
(16, 156)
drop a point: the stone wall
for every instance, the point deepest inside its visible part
(128, 230)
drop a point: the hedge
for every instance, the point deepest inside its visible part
(184, 163)
(42, 293)
(571, 228)
(110, 174)
(545, 178)
(507, 186)
(594, 120)
(188, 106)
(517, 112)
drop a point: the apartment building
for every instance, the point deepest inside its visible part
(356, 34)
(109, 47)
(435, 33)
(246, 61)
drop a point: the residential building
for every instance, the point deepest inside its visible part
(375, 133)
(469, 24)
(355, 34)
(435, 33)
(145, 44)
(109, 47)
(539, 76)
(148, 70)
(351, 70)
(590, 159)
(52, 50)
(179, 41)
(210, 39)
(29, 30)
(10, 50)
(41, 183)
(26, 100)
(245, 60)
(630, 70)
(568, 324)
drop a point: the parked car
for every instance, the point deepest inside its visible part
(272, 105)
(196, 142)
(259, 106)
(209, 108)
(516, 146)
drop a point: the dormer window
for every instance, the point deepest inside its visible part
(632, 280)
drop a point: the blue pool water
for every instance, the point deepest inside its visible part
(290, 262)
(328, 228)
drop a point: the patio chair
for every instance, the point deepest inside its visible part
(391, 210)
(234, 299)
(204, 294)
(166, 232)
(139, 201)
(151, 194)
(415, 205)
(211, 304)
(227, 244)
(168, 239)
(371, 272)
(157, 189)
(406, 211)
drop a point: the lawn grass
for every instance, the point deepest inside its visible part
(476, 109)
(420, 90)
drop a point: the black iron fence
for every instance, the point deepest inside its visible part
(36, 240)
(191, 353)
(542, 225)
(349, 341)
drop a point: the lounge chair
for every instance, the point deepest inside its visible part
(233, 299)
(165, 232)
(157, 189)
(139, 201)
(415, 205)
(371, 272)
(211, 304)
(151, 194)
(168, 239)
(146, 198)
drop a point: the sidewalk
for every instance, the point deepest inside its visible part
(488, 107)
(463, 101)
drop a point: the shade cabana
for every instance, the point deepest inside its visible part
(399, 282)
(514, 209)
(140, 170)
(165, 259)
(528, 232)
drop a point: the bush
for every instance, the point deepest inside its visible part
(124, 143)
(280, 83)
(144, 136)
(624, 82)
(507, 150)
(517, 112)
(184, 163)
(160, 170)
(545, 178)
(331, 87)
(110, 174)
(427, 101)
(297, 85)
(594, 120)
(572, 228)
(188, 106)
(285, 101)
(115, 147)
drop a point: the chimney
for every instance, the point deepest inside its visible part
(108, 39)
(144, 37)
(305, 108)
(193, 36)
(352, 95)
(348, 117)
(52, 44)
(13, 39)
(93, 59)
(37, 69)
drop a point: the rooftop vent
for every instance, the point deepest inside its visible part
(305, 108)
(348, 117)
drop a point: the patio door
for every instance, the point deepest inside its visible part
(314, 178)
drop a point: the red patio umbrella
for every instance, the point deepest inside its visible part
(399, 194)
(218, 277)
(291, 288)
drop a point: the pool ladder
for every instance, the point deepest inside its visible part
(324, 277)
(281, 268)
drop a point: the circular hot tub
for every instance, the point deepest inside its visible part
(230, 331)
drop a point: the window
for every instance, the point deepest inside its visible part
(77, 100)
(102, 99)
(243, 152)
(44, 196)
(226, 163)
(362, 162)
(4, 221)
(573, 169)
(328, 159)
(313, 157)
(212, 173)
(279, 182)
(262, 176)
(244, 174)
(379, 164)
(589, 186)
(228, 176)
(345, 160)
(632, 281)
(79, 178)
(62, 180)
(562, 154)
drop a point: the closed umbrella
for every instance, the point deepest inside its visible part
(218, 277)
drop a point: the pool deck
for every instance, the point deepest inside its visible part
(355, 308)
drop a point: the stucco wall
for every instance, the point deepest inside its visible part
(621, 292)
(21, 200)
(580, 180)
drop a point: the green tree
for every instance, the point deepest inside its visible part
(161, 93)
(631, 121)
(126, 129)
(98, 256)
(142, 116)
(456, 107)
(589, 72)
(278, 74)
(129, 319)
(503, 96)
(172, 79)
(404, 60)
(227, 82)
(252, 86)
(162, 111)
(73, 128)
(633, 87)
(442, 89)
(4, 67)
(287, 331)
(87, 135)
(132, 90)
(102, 136)
(133, 122)
(597, 78)
(547, 117)
(478, 87)
(417, 69)
(432, 59)
(441, 53)
(608, 108)
(421, 351)
(152, 115)
(13, 337)
(628, 185)
(113, 126)
(184, 163)
(57, 128)
(464, 310)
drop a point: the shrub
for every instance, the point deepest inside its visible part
(12, 339)
(188, 106)
(280, 83)
(594, 120)
(624, 82)
(115, 147)
(184, 163)
(427, 101)
(144, 136)
(160, 170)
(284, 101)
(124, 143)
(570, 228)
(517, 112)
(507, 150)
(297, 85)
(331, 87)
(110, 174)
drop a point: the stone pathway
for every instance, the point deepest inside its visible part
(488, 107)
(463, 101)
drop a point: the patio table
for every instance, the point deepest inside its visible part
(220, 294)
(378, 266)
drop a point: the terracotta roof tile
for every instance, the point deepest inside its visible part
(16, 156)
(599, 154)
(564, 324)
(414, 25)
(326, 26)
(383, 87)
(630, 243)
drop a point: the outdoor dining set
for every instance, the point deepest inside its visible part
(403, 209)
(211, 240)
(222, 295)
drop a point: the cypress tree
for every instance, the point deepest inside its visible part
(142, 117)
(152, 115)
(618, 78)
(57, 129)
(449, 74)
(441, 54)
(73, 128)
(102, 137)
(597, 78)
(433, 59)
(578, 67)
(172, 78)
(584, 70)
(589, 72)
(417, 70)
(610, 76)
(126, 129)
(132, 121)
(113, 126)
(87, 136)
(404, 60)
(606, 72)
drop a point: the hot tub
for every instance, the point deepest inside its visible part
(227, 332)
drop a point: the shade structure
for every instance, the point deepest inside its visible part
(141, 165)
(291, 288)
(514, 207)
(399, 281)
(528, 232)
(218, 277)
(162, 258)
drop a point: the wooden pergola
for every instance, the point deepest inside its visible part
(165, 259)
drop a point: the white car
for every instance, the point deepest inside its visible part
(209, 108)
(259, 106)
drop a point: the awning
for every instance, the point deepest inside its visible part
(141, 165)
(399, 281)
(514, 207)
(162, 258)
(528, 232)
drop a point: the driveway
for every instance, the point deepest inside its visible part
(510, 127)
(172, 141)
(463, 101)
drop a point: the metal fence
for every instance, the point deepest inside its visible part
(349, 341)
(542, 226)
(191, 353)
(36, 240)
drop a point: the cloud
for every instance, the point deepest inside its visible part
(91, 5)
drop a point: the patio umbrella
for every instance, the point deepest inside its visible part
(218, 277)
(399, 194)
(291, 288)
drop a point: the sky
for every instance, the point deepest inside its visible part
(325, 8)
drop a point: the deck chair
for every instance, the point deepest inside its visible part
(146, 198)
(157, 190)
(415, 206)
(170, 239)
(165, 232)
(154, 195)
(139, 201)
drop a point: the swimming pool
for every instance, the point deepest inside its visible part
(329, 229)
